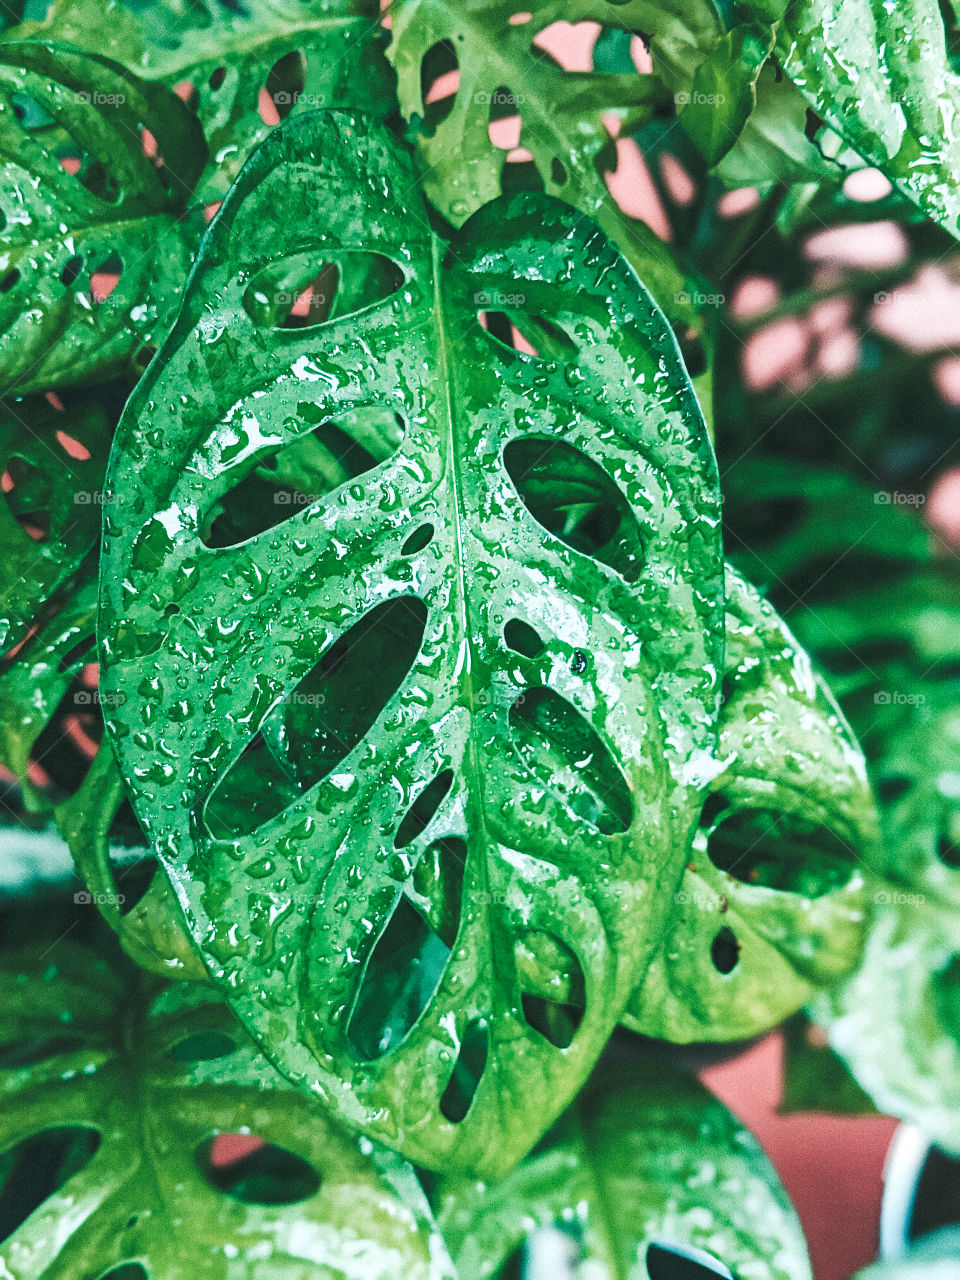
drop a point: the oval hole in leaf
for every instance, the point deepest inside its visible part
(556, 1022)
(419, 539)
(37, 1167)
(132, 863)
(556, 1019)
(217, 77)
(9, 279)
(64, 749)
(439, 82)
(530, 334)
(574, 499)
(302, 292)
(126, 1271)
(203, 1046)
(278, 484)
(521, 638)
(569, 758)
(105, 278)
(684, 1262)
(725, 951)
(465, 1079)
(399, 980)
(28, 1052)
(286, 80)
(782, 851)
(319, 722)
(267, 1175)
(421, 813)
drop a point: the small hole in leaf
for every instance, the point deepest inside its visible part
(568, 756)
(575, 500)
(267, 1175)
(531, 335)
(286, 81)
(39, 1166)
(439, 83)
(399, 980)
(29, 493)
(106, 277)
(29, 113)
(782, 851)
(558, 173)
(9, 279)
(217, 78)
(521, 638)
(423, 810)
(203, 1046)
(419, 539)
(725, 951)
(132, 863)
(713, 806)
(63, 751)
(279, 484)
(28, 1052)
(126, 1271)
(132, 880)
(556, 1022)
(467, 1072)
(684, 1262)
(319, 722)
(300, 292)
(555, 1014)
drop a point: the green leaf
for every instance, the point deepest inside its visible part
(644, 1163)
(112, 1096)
(502, 73)
(896, 1021)
(815, 1078)
(495, 641)
(724, 90)
(880, 76)
(771, 902)
(84, 204)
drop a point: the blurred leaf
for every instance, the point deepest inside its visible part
(815, 1078)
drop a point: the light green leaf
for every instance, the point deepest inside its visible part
(644, 1162)
(111, 1095)
(496, 641)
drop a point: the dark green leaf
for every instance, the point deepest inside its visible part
(343, 661)
(724, 94)
(815, 1078)
(112, 1096)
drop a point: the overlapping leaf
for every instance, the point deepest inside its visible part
(646, 1174)
(86, 209)
(771, 903)
(487, 663)
(111, 1097)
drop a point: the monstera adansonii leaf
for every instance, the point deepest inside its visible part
(879, 74)
(113, 1097)
(771, 905)
(424, 631)
(96, 168)
(645, 1175)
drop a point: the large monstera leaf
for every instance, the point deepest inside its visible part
(771, 906)
(113, 1097)
(880, 74)
(399, 733)
(646, 1175)
(83, 203)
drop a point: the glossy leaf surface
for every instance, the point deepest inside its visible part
(460, 628)
(143, 1083)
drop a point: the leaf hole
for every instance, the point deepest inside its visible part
(725, 951)
(558, 1023)
(566, 754)
(268, 1175)
(203, 1046)
(319, 722)
(9, 280)
(279, 484)
(684, 1262)
(399, 980)
(531, 335)
(72, 447)
(106, 277)
(782, 851)
(423, 810)
(286, 81)
(465, 1079)
(522, 638)
(126, 1271)
(504, 120)
(217, 78)
(418, 540)
(439, 83)
(299, 292)
(37, 1167)
(574, 500)
(63, 751)
(29, 494)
